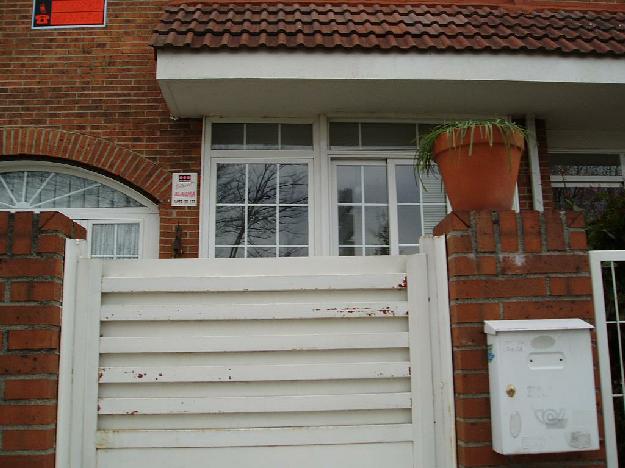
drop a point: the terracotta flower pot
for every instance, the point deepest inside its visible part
(484, 180)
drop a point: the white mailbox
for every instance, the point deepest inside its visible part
(542, 390)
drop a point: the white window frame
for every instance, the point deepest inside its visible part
(598, 181)
(147, 216)
(590, 181)
(266, 160)
(322, 175)
(334, 197)
(210, 158)
(390, 164)
(89, 223)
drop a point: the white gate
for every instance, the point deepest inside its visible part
(607, 268)
(267, 363)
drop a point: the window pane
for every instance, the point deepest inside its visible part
(350, 251)
(349, 184)
(585, 164)
(344, 134)
(261, 225)
(376, 225)
(350, 225)
(294, 183)
(293, 251)
(229, 225)
(15, 182)
(379, 134)
(227, 136)
(432, 215)
(408, 249)
(103, 240)
(262, 179)
(256, 252)
(42, 189)
(230, 183)
(128, 240)
(261, 136)
(255, 224)
(296, 136)
(407, 188)
(409, 219)
(36, 179)
(5, 199)
(293, 225)
(376, 190)
(424, 129)
(376, 251)
(229, 252)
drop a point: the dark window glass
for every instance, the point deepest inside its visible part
(296, 136)
(261, 136)
(391, 135)
(227, 136)
(344, 134)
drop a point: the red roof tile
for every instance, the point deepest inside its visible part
(391, 27)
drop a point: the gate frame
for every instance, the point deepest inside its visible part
(77, 414)
(596, 257)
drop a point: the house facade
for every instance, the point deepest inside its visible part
(319, 88)
(294, 125)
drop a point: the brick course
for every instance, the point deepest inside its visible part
(30, 313)
(537, 268)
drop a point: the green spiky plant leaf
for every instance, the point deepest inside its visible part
(457, 131)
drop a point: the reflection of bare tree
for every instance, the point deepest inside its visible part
(263, 206)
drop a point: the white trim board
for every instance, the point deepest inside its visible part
(323, 65)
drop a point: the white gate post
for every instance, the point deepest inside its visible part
(421, 365)
(78, 372)
(74, 249)
(441, 350)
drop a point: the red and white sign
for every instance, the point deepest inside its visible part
(184, 189)
(68, 13)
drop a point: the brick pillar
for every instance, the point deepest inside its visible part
(507, 265)
(32, 249)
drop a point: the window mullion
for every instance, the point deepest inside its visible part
(245, 217)
(24, 184)
(393, 209)
(362, 208)
(278, 204)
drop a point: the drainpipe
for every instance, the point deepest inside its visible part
(534, 163)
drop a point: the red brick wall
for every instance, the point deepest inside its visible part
(509, 266)
(98, 83)
(31, 271)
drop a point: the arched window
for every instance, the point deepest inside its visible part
(121, 223)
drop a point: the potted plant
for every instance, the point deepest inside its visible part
(478, 161)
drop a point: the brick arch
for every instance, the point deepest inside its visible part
(100, 154)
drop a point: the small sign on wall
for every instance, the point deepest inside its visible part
(184, 189)
(68, 13)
